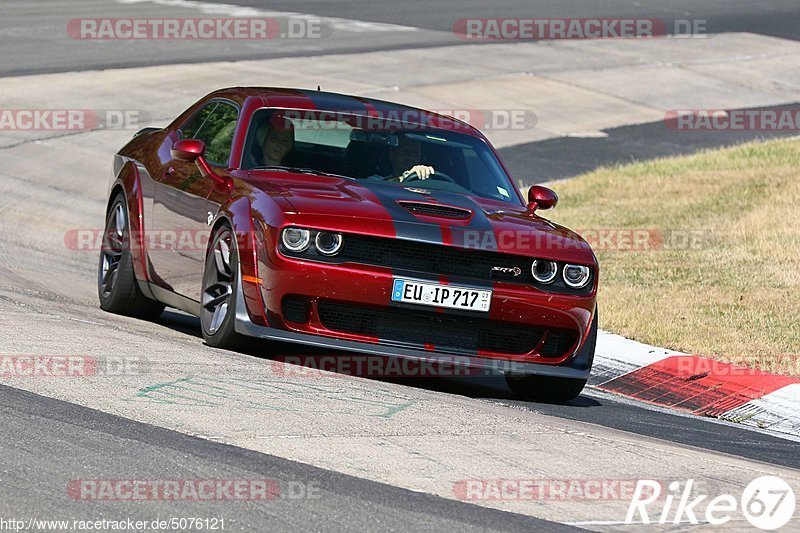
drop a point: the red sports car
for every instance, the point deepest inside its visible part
(349, 223)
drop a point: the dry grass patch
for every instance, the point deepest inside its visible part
(735, 295)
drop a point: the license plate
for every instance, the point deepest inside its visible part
(437, 295)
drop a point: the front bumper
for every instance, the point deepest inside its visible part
(578, 366)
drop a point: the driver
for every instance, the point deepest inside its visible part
(278, 141)
(404, 160)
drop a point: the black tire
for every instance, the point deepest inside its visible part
(117, 287)
(553, 389)
(218, 298)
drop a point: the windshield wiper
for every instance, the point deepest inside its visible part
(300, 170)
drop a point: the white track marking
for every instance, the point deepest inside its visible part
(232, 10)
(776, 411)
(615, 355)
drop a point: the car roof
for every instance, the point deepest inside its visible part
(309, 99)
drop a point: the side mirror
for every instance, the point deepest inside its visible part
(541, 198)
(189, 150)
(193, 151)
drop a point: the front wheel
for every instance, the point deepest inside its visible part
(549, 388)
(545, 388)
(218, 300)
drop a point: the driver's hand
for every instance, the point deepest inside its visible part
(422, 171)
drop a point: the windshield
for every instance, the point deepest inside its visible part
(400, 153)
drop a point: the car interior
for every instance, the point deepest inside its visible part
(360, 154)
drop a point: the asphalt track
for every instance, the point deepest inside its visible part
(593, 407)
(778, 18)
(46, 441)
(34, 40)
(33, 37)
(564, 157)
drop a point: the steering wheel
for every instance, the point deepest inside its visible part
(415, 177)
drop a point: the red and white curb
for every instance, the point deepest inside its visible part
(696, 384)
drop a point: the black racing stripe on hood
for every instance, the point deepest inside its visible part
(479, 222)
(479, 230)
(406, 225)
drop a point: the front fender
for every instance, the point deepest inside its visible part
(128, 181)
(238, 214)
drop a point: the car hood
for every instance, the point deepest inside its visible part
(383, 209)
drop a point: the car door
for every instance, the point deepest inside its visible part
(182, 208)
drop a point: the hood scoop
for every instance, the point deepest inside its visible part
(436, 210)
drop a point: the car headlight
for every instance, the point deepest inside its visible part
(576, 276)
(328, 243)
(296, 239)
(544, 271)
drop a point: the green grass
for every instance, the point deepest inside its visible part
(735, 296)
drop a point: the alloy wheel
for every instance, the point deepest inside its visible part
(218, 283)
(114, 244)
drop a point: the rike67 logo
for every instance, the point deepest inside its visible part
(768, 503)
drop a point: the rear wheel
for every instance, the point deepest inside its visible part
(218, 307)
(117, 287)
(549, 388)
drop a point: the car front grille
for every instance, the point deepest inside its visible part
(445, 332)
(436, 259)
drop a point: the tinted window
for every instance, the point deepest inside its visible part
(352, 147)
(215, 125)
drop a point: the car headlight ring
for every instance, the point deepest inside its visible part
(576, 276)
(544, 271)
(328, 243)
(296, 239)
